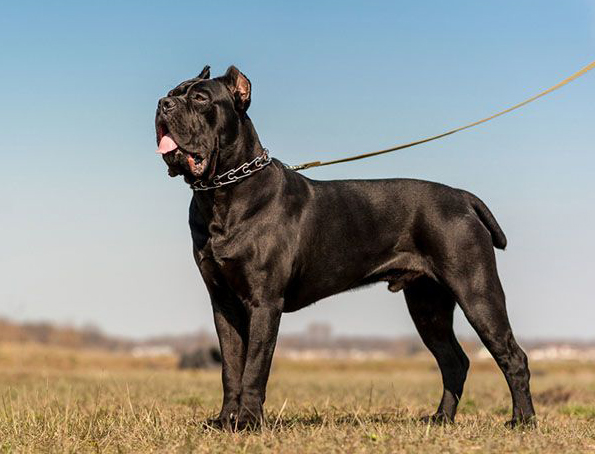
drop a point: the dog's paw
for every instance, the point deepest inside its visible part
(227, 420)
(249, 419)
(248, 424)
(521, 423)
(219, 424)
(438, 419)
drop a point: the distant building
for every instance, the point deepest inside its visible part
(151, 351)
(319, 333)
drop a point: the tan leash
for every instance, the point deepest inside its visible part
(576, 75)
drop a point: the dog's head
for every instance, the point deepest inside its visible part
(199, 117)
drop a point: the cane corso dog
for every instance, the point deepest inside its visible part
(268, 240)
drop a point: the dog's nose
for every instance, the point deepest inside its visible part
(166, 105)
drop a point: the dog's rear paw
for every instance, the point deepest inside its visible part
(438, 419)
(521, 423)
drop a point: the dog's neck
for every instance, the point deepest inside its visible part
(243, 148)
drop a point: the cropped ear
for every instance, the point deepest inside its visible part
(239, 86)
(205, 73)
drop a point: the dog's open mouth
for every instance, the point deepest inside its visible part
(179, 161)
(165, 141)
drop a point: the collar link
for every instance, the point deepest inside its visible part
(234, 175)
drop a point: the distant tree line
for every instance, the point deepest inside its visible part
(88, 336)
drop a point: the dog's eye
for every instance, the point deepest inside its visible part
(200, 96)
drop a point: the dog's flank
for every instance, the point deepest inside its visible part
(277, 241)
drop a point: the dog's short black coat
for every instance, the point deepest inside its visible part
(277, 241)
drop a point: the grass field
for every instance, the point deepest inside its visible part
(60, 400)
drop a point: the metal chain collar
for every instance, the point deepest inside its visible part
(234, 175)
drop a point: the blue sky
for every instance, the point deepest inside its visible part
(93, 230)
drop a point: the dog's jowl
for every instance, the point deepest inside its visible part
(268, 240)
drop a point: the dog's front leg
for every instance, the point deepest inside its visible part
(262, 338)
(231, 323)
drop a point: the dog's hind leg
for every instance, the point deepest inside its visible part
(431, 306)
(479, 293)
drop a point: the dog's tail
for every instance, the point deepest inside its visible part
(488, 219)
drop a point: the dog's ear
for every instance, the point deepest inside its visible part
(205, 73)
(240, 87)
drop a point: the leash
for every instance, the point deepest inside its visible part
(576, 75)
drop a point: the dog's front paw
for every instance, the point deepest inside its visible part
(227, 419)
(227, 422)
(249, 418)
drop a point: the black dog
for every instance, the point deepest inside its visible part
(268, 240)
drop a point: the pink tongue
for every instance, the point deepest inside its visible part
(166, 144)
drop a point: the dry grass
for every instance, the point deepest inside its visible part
(58, 400)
